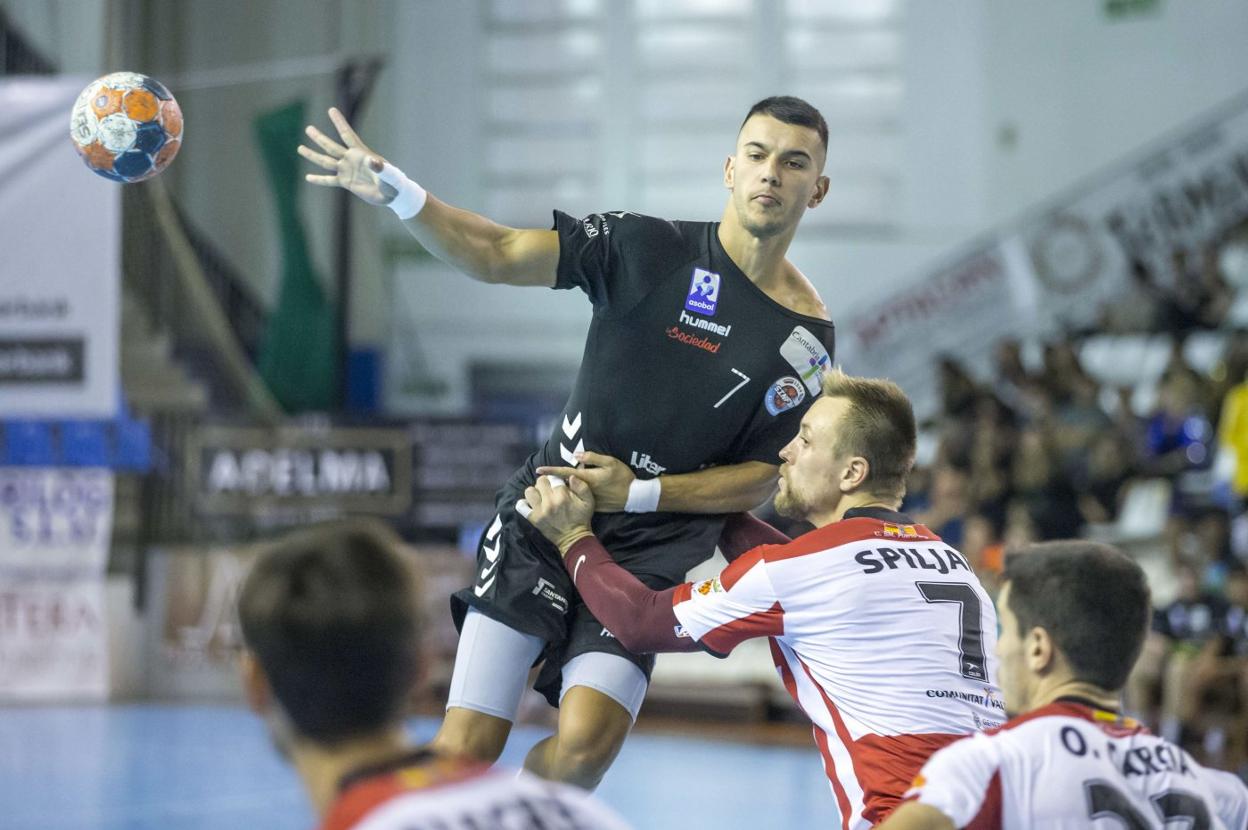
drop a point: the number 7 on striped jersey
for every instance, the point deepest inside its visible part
(972, 663)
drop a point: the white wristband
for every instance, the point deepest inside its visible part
(410, 199)
(643, 496)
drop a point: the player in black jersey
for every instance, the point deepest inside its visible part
(705, 349)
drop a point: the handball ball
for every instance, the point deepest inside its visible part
(127, 127)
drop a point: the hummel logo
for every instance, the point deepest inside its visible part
(571, 426)
(491, 555)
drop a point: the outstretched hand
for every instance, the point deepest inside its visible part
(608, 478)
(353, 167)
(561, 512)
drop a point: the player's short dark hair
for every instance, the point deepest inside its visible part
(791, 110)
(1093, 600)
(879, 426)
(332, 616)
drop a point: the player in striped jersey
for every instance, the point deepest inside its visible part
(1073, 619)
(880, 631)
(330, 619)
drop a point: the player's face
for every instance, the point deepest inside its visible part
(1014, 677)
(775, 175)
(810, 474)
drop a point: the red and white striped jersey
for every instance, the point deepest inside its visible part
(1068, 765)
(882, 634)
(425, 792)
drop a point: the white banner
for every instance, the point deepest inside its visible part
(1060, 264)
(53, 641)
(61, 263)
(55, 522)
(55, 528)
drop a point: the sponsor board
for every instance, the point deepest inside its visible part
(248, 470)
(60, 282)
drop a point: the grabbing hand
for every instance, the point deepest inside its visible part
(608, 479)
(561, 513)
(354, 167)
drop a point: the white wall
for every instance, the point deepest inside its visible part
(1079, 91)
(1006, 103)
(72, 33)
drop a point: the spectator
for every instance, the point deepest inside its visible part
(1233, 435)
(947, 505)
(1185, 639)
(1151, 308)
(1038, 482)
(1102, 485)
(958, 391)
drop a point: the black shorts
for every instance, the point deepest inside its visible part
(521, 582)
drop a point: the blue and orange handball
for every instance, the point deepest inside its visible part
(127, 127)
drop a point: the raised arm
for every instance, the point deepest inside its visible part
(733, 488)
(482, 249)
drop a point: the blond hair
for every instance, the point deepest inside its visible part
(878, 426)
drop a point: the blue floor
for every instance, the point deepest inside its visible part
(211, 768)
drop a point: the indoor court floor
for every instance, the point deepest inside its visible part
(156, 767)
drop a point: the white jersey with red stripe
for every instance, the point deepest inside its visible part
(426, 792)
(881, 632)
(1070, 765)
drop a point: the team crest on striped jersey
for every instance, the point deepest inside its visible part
(892, 531)
(708, 586)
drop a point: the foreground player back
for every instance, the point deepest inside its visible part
(1071, 765)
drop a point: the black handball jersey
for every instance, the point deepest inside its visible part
(687, 365)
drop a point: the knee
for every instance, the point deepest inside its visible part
(472, 738)
(584, 753)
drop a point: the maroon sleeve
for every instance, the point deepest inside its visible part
(641, 618)
(743, 531)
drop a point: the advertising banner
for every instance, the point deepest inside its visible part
(60, 272)
(1060, 265)
(55, 530)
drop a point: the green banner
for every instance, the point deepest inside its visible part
(297, 355)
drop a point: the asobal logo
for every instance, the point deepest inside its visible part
(703, 295)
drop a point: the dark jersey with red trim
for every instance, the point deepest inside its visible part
(1072, 765)
(687, 364)
(881, 633)
(422, 791)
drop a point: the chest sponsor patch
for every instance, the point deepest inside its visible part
(784, 394)
(703, 292)
(807, 356)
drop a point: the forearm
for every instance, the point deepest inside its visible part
(744, 532)
(483, 249)
(641, 618)
(731, 489)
